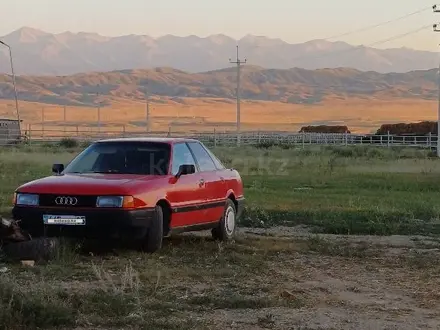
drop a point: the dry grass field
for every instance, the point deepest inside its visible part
(204, 114)
(278, 279)
(304, 257)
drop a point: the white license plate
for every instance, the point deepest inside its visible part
(68, 220)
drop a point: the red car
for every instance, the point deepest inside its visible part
(137, 188)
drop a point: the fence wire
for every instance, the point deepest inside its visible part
(35, 137)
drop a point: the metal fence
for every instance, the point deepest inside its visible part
(35, 137)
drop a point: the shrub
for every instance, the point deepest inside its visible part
(68, 143)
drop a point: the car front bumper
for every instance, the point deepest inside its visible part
(99, 223)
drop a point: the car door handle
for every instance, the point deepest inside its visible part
(222, 179)
(201, 182)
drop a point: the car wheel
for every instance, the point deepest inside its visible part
(154, 237)
(227, 225)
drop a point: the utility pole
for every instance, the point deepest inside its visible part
(147, 108)
(14, 84)
(99, 108)
(436, 27)
(43, 119)
(64, 119)
(238, 62)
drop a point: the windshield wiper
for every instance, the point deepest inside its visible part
(91, 172)
(105, 172)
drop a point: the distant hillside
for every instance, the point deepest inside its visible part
(297, 86)
(39, 53)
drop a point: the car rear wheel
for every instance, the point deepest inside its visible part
(154, 236)
(225, 230)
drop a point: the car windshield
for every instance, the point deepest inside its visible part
(145, 158)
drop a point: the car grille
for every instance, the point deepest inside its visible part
(82, 201)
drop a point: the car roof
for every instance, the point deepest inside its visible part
(168, 140)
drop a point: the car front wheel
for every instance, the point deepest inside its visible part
(225, 230)
(154, 237)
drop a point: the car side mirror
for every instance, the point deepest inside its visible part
(185, 169)
(57, 168)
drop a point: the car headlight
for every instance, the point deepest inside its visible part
(27, 199)
(110, 201)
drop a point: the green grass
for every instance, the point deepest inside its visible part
(354, 190)
(348, 190)
(197, 283)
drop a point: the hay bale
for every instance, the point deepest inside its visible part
(420, 128)
(324, 129)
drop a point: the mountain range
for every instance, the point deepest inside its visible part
(36, 52)
(295, 86)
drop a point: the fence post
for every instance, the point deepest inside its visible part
(303, 137)
(123, 130)
(169, 130)
(215, 138)
(346, 138)
(388, 139)
(77, 131)
(429, 140)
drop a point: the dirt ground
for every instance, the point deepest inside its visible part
(347, 282)
(206, 114)
(277, 278)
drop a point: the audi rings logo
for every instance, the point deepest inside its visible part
(64, 200)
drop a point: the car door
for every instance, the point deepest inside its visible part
(214, 198)
(187, 193)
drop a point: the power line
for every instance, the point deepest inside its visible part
(399, 36)
(366, 28)
(395, 37)
(370, 27)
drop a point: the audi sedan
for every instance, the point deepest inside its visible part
(134, 188)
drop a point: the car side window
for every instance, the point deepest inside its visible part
(181, 156)
(216, 161)
(202, 156)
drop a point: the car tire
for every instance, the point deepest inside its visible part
(225, 230)
(154, 236)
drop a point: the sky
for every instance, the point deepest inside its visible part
(291, 20)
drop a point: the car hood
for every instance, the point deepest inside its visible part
(86, 184)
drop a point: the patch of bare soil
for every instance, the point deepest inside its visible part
(346, 282)
(278, 278)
